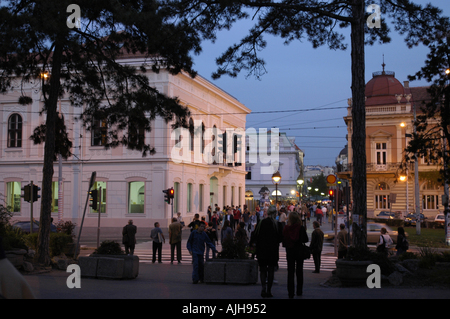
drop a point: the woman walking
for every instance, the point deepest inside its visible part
(294, 236)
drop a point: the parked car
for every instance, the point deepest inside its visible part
(440, 219)
(373, 233)
(386, 215)
(25, 227)
(410, 220)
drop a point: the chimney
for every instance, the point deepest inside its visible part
(406, 84)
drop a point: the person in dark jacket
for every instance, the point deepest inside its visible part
(316, 246)
(196, 247)
(268, 238)
(402, 243)
(294, 236)
(129, 237)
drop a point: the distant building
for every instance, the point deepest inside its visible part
(342, 159)
(389, 122)
(259, 173)
(316, 170)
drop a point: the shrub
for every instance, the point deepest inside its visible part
(382, 260)
(5, 216)
(233, 249)
(58, 243)
(427, 257)
(32, 240)
(443, 257)
(408, 255)
(13, 238)
(66, 227)
(108, 247)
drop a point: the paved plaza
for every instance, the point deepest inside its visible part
(173, 281)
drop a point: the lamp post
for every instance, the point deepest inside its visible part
(405, 178)
(300, 182)
(276, 178)
(446, 187)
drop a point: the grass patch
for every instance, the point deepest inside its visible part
(428, 237)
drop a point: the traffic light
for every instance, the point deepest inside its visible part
(93, 199)
(166, 195)
(36, 190)
(331, 194)
(26, 193)
(171, 193)
(237, 143)
(223, 142)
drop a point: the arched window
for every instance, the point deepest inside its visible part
(382, 186)
(15, 131)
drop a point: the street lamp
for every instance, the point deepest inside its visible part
(276, 178)
(300, 182)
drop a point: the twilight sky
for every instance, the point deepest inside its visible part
(316, 82)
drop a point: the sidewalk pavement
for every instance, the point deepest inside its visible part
(173, 281)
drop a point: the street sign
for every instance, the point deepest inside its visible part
(331, 179)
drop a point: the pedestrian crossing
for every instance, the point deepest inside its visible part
(145, 256)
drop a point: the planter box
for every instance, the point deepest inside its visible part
(231, 271)
(352, 273)
(109, 266)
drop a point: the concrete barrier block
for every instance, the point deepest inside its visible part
(214, 272)
(131, 267)
(88, 266)
(110, 268)
(242, 272)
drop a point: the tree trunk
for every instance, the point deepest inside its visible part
(359, 182)
(43, 250)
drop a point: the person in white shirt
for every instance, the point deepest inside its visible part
(384, 242)
(324, 211)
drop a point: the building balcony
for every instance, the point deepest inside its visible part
(385, 109)
(370, 168)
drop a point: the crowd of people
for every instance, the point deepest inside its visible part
(262, 231)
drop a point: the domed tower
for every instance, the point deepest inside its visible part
(384, 89)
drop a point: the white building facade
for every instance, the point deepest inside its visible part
(279, 154)
(131, 185)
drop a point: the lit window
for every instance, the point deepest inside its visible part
(136, 196)
(13, 192)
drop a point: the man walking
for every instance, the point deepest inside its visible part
(196, 247)
(316, 246)
(129, 237)
(175, 239)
